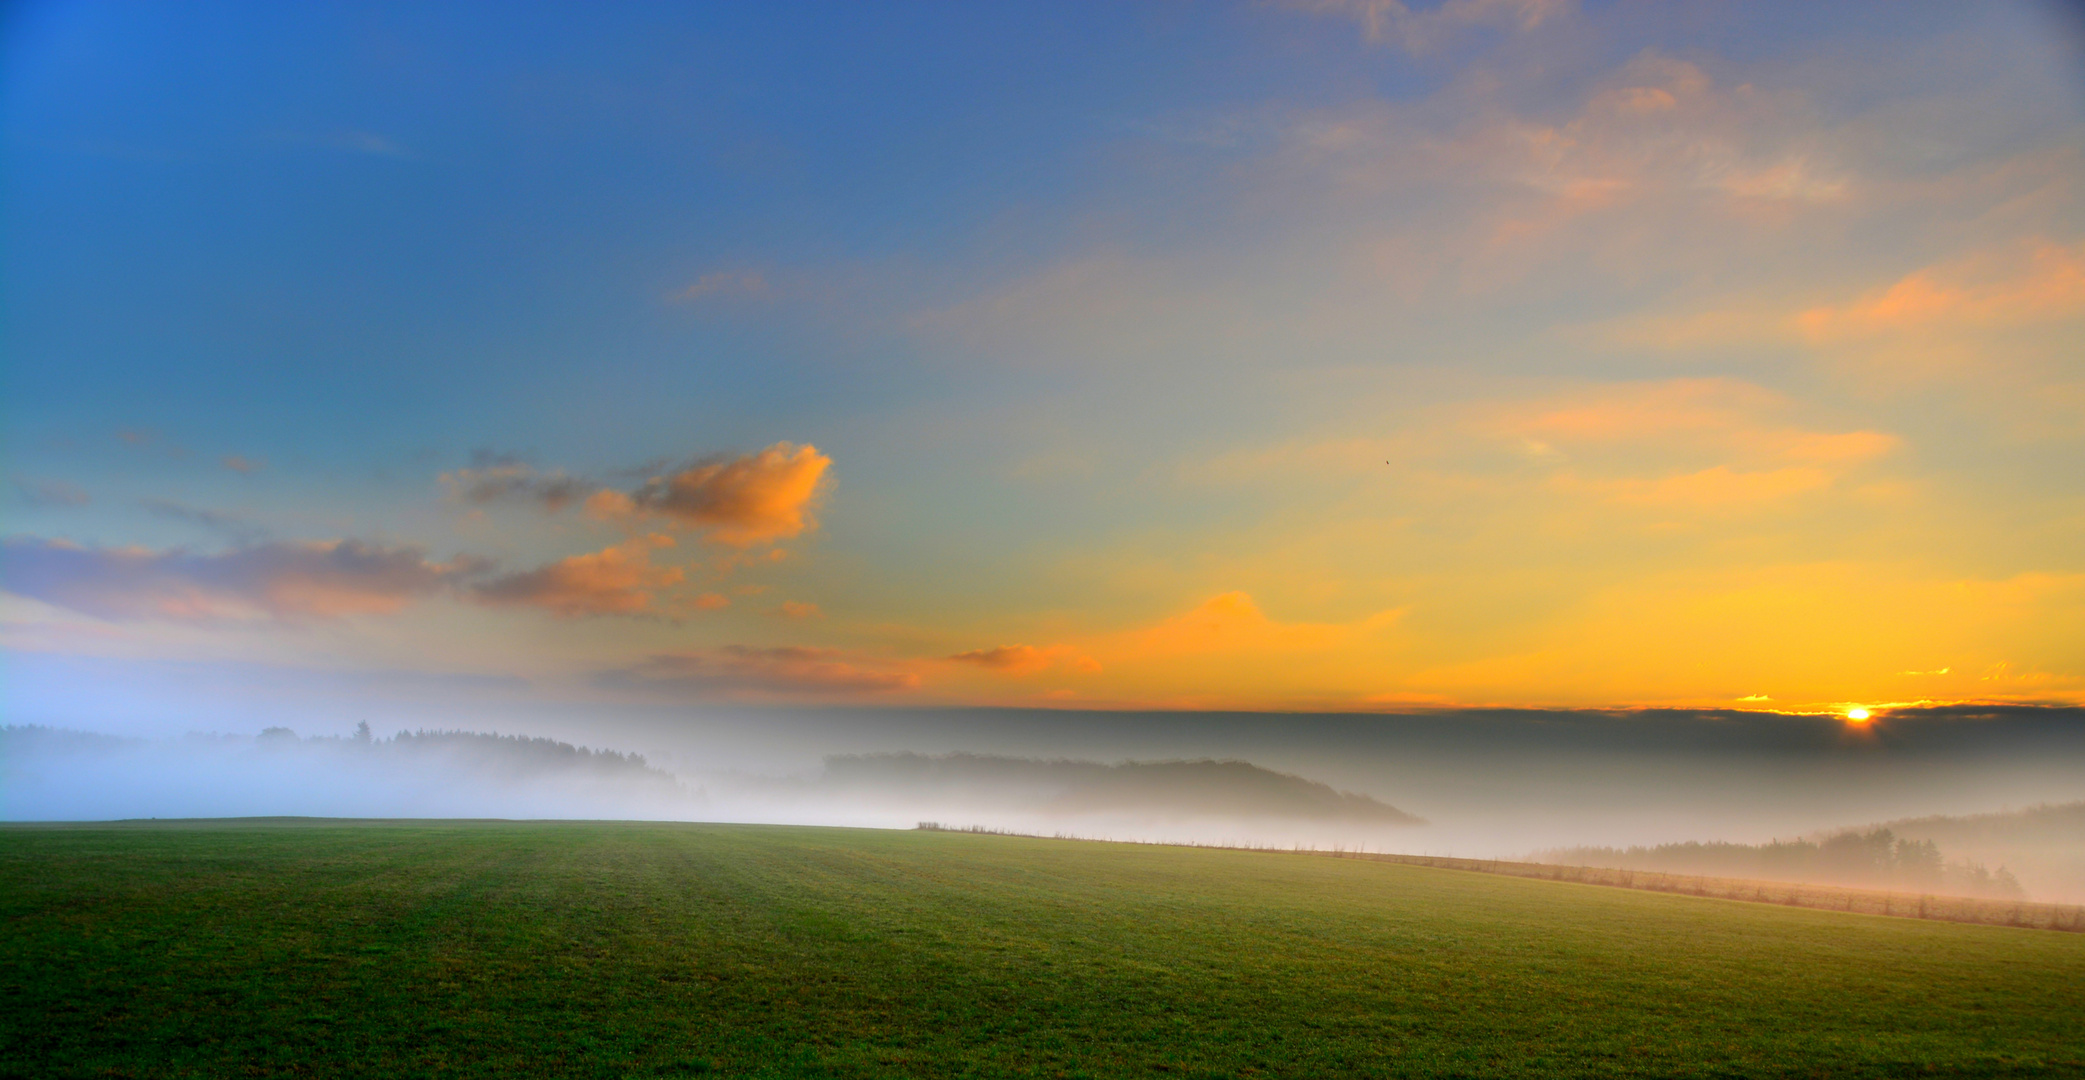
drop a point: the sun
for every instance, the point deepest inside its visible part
(1857, 715)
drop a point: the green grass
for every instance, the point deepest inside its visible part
(600, 949)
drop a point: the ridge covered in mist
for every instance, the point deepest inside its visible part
(1877, 858)
(2038, 851)
(2044, 845)
(1200, 788)
(56, 774)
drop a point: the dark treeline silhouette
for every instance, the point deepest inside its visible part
(523, 753)
(1874, 858)
(485, 750)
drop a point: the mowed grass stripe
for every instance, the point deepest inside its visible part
(618, 949)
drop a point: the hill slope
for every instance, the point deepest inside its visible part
(1222, 789)
(614, 950)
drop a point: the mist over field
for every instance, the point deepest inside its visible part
(1474, 783)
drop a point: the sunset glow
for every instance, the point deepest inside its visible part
(1327, 538)
(1275, 356)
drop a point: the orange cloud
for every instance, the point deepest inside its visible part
(740, 671)
(1231, 622)
(1005, 658)
(286, 580)
(1763, 459)
(243, 465)
(1718, 486)
(1027, 659)
(742, 501)
(2041, 283)
(618, 580)
(1632, 411)
(753, 499)
(797, 609)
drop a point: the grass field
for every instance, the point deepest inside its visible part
(599, 949)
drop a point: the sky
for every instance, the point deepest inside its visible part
(1332, 356)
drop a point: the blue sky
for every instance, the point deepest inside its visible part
(1710, 317)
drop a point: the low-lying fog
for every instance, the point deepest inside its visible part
(1481, 784)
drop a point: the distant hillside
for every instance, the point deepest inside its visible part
(2059, 824)
(1875, 859)
(520, 754)
(1217, 789)
(2043, 845)
(2039, 850)
(55, 774)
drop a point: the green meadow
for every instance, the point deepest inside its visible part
(386, 949)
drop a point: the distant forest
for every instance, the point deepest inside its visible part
(1875, 858)
(486, 755)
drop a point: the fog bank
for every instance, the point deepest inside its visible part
(1487, 783)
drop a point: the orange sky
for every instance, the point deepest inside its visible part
(1384, 357)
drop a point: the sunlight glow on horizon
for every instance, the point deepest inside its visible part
(1055, 357)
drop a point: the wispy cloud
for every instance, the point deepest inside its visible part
(284, 580)
(1423, 29)
(618, 580)
(512, 480)
(50, 493)
(745, 671)
(244, 466)
(233, 527)
(740, 501)
(1027, 659)
(2038, 282)
(724, 283)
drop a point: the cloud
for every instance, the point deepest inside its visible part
(2035, 283)
(285, 580)
(618, 580)
(50, 493)
(1378, 218)
(741, 501)
(1027, 659)
(1625, 412)
(751, 499)
(504, 480)
(1718, 486)
(1742, 453)
(724, 283)
(243, 465)
(1233, 622)
(797, 609)
(150, 439)
(230, 526)
(745, 671)
(1672, 441)
(1419, 31)
(1005, 658)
